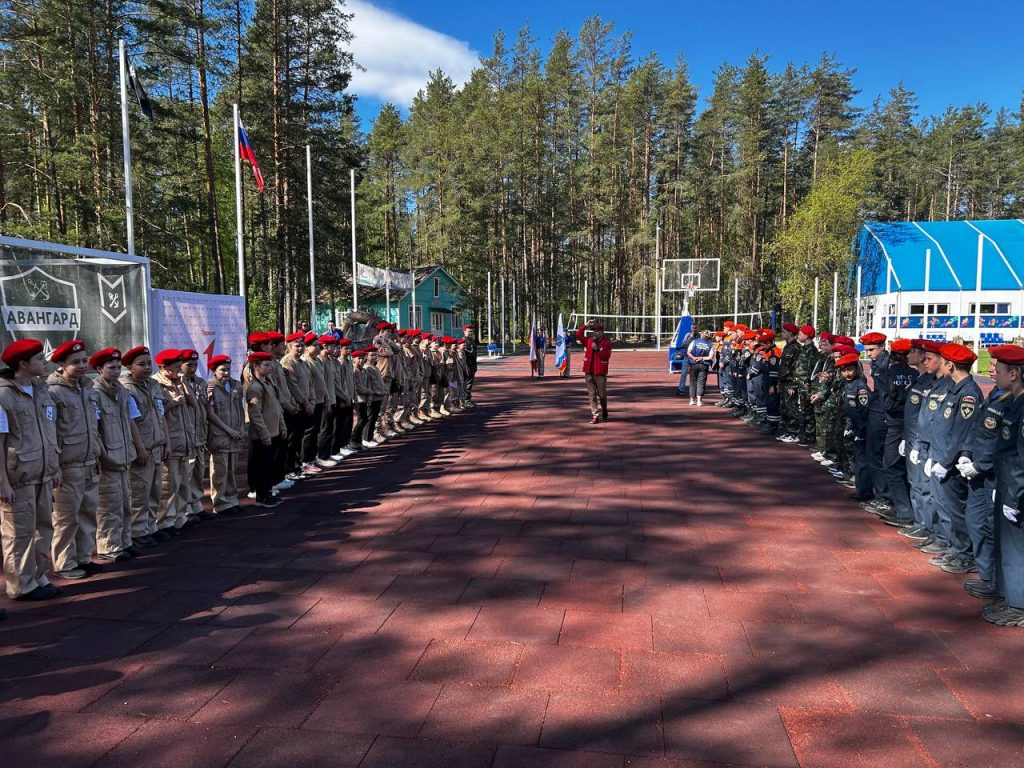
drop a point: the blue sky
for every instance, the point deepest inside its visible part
(946, 52)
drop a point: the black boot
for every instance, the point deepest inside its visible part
(604, 409)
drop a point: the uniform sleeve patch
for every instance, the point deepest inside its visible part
(967, 408)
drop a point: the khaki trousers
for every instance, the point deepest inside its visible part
(114, 521)
(425, 396)
(197, 481)
(27, 530)
(223, 469)
(146, 488)
(175, 493)
(597, 392)
(74, 517)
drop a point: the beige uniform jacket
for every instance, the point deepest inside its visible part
(32, 454)
(227, 402)
(117, 449)
(263, 410)
(78, 417)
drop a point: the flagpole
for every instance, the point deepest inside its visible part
(129, 208)
(355, 290)
(239, 233)
(502, 315)
(312, 262)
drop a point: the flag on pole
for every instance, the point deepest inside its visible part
(561, 359)
(245, 152)
(140, 93)
(533, 345)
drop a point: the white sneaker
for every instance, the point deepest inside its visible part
(284, 485)
(346, 452)
(817, 456)
(311, 469)
(370, 444)
(293, 477)
(699, 403)
(326, 463)
(391, 433)
(692, 401)
(251, 495)
(826, 462)
(336, 457)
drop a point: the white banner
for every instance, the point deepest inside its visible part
(375, 277)
(210, 323)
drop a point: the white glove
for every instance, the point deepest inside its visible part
(966, 468)
(1010, 513)
(847, 432)
(903, 448)
(939, 471)
(915, 456)
(928, 468)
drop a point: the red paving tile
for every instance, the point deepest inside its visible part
(473, 608)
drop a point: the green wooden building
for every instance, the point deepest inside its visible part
(439, 304)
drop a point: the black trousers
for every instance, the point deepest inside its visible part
(876, 453)
(372, 419)
(895, 468)
(698, 379)
(312, 433)
(362, 411)
(342, 426)
(260, 469)
(470, 378)
(295, 423)
(326, 437)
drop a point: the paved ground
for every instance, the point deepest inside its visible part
(519, 588)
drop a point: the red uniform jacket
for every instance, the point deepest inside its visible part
(597, 355)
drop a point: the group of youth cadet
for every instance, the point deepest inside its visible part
(916, 441)
(107, 455)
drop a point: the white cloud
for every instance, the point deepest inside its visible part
(398, 54)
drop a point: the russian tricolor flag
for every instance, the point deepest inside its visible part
(245, 152)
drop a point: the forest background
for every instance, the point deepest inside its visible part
(544, 169)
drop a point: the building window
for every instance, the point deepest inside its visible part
(992, 308)
(437, 287)
(416, 321)
(437, 323)
(933, 309)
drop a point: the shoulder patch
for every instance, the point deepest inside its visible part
(967, 408)
(862, 397)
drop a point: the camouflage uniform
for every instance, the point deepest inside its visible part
(804, 365)
(788, 388)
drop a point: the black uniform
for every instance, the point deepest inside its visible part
(856, 397)
(899, 379)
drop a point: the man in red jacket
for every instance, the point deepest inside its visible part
(598, 351)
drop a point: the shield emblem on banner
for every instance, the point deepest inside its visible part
(35, 304)
(113, 298)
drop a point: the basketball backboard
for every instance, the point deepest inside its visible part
(691, 275)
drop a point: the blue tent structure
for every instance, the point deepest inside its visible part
(925, 275)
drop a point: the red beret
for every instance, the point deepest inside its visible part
(382, 326)
(24, 349)
(740, 327)
(900, 346)
(128, 357)
(791, 327)
(935, 347)
(598, 327)
(65, 349)
(460, 341)
(826, 336)
(873, 338)
(189, 355)
(297, 336)
(957, 353)
(104, 356)
(845, 360)
(917, 343)
(843, 349)
(1010, 354)
(748, 335)
(222, 359)
(259, 357)
(414, 332)
(327, 339)
(766, 336)
(842, 340)
(807, 330)
(311, 338)
(467, 326)
(358, 352)
(344, 342)
(258, 337)
(274, 336)
(168, 356)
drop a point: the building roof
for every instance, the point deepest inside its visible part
(892, 255)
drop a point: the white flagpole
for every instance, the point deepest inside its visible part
(835, 302)
(927, 287)
(414, 323)
(977, 302)
(490, 331)
(129, 208)
(355, 290)
(239, 243)
(312, 262)
(856, 322)
(815, 313)
(515, 322)
(586, 306)
(503, 315)
(657, 286)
